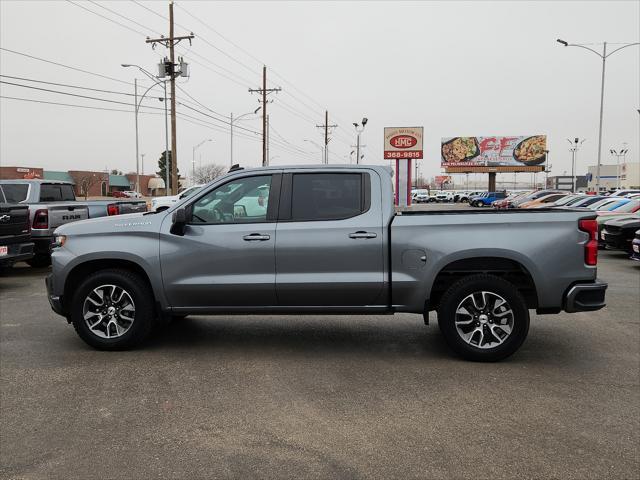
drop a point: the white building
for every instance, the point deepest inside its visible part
(629, 174)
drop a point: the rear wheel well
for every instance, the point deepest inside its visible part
(510, 270)
(80, 272)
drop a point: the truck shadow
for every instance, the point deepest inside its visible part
(377, 337)
(311, 335)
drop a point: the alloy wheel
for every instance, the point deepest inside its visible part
(484, 319)
(108, 311)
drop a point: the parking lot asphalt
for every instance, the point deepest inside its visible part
(320, 397)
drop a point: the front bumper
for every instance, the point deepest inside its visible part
(18, 252)
(54, 300)
(585, 297)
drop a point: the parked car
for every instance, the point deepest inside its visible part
(340, 247)
(15, 233)
(635, 246)
(486, 199)
(507, 201)
(618, 233)
(532, 196)
(132, 194)
(162, 203)
(421, 198)
(442, 196)
(623, 193)
(543, 201)
(53, 203)
(465, 196)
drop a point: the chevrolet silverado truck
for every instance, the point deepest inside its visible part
(324, 239)
(15, 234)
(53, 203)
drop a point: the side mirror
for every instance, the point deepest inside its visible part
(179, 221)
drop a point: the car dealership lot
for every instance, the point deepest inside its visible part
(318, 397)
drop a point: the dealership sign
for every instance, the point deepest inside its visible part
(403, 142)
(516, 151)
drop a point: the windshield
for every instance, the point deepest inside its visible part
(568, 200)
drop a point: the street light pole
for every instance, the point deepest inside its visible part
(166, 124)
(193, 160)
(618, 154)
(603, 56)
(359, 130)
(575, 145)
(135, 89)
(231, 125)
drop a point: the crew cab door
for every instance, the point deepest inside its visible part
(226, 256)
(329, 245)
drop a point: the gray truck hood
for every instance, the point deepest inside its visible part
(134, 222)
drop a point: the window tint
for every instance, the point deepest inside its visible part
(56, 192)
(15, 192)
(240, 201)
(552, 198)
(326, 196)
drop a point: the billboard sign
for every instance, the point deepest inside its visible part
(402, 142)
(517, 151)
(442, 179)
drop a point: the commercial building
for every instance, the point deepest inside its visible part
(628, 173)
(88, 182)
(565, 182)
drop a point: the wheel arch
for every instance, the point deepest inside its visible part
(505, 266)
(80, 271)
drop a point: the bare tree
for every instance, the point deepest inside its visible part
(88, 181)
(206, 173)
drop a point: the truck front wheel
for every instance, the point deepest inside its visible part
(483, 318)
(113, 310)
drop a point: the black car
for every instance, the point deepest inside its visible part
(635, 247)
(15, 234)
(619, 233)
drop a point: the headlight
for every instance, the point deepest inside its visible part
(60, 241)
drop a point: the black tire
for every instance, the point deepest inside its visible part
(40, 260)
(143, 319)
(460, 291)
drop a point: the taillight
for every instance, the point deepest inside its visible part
(591, 247)
(113, 209)
(41, 219)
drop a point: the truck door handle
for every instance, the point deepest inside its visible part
(361, 234)
(256, 237)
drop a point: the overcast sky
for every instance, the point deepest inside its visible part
(457, 68)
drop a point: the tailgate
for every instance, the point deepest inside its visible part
(59, 214)
(14, 220)
(135, 206)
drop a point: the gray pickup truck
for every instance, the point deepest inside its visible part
(53, 203)
(324, 239)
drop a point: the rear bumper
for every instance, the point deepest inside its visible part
(585, 297)
(54, 300)
(18, 252)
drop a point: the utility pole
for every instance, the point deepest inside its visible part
(264, 91)
(326, 127)
(267, 137)
(170, 43)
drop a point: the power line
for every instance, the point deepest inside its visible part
(65, 66)
(106, 18)
(68, 85)
(124, 17)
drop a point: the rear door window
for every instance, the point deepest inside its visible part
(56, 192)
(15, 192)
(327, 196)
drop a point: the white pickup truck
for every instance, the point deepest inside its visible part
(162, 203)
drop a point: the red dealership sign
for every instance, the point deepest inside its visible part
(403, 142)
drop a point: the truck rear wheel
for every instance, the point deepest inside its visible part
(483, 318)
(113, 310)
